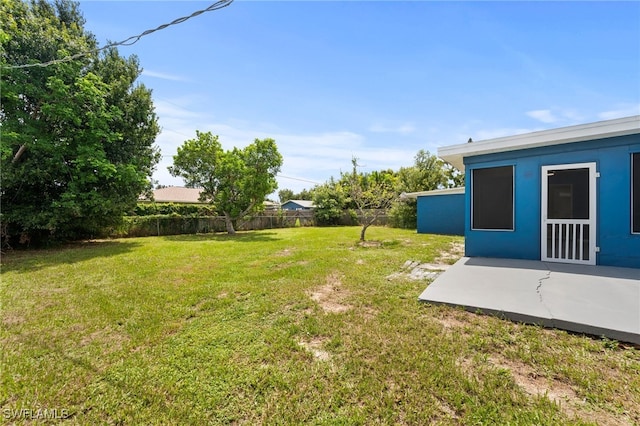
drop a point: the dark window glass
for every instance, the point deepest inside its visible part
(492, 198)
(568, 194)
(635, 193)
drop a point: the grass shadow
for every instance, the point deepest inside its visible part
(35, 259)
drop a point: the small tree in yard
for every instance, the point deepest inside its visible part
(237, 181)
(371, 193)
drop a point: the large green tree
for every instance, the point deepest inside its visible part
(235, 181)
(77, 146)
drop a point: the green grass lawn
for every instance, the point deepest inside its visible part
(288, 326)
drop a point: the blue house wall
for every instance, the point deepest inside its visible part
(618, 246)
(292, 205)
(441, 214)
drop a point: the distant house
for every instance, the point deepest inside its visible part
(297, 205)
(177, 194)
(440, 211)
(180, 194)
(569, 195)
(271, 205)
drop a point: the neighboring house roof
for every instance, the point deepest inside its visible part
(180, 194)
(306, 204)
(454, 154)
(446, 191)
(177, 194)
(271, 205)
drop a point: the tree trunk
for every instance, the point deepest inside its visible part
(229, 224)
(364, 229)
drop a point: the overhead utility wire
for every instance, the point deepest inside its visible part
(300, 179)
(128, 42)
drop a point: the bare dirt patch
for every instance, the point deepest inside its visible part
(12, 318)
(534, 384)
(370, 243)
(450, 256)
(417, 270)
(108, 338)
(314, 346)
(331, 295)
(285, 252)
(452, 323)
(557, 391)
(446, 409)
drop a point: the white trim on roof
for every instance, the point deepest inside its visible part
(454, 154)
(446, 191)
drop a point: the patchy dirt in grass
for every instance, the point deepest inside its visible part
(370, 243)
(107, 338)
(417, 270)
(289, 264)
(451, 256)
(459, 321)
(535, 384)
(12, 318)
(556, 391)
(285, 252)
(448, 411)
(331, 295)
(414, 270)
(532, 381)
(451, 323)
(314, 346)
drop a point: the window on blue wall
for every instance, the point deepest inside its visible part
(492, 198)
(635, 193)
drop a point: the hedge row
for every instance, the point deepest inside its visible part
(193, 210)
(173, 224)
(144, 226)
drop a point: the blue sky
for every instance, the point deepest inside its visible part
(329, 80)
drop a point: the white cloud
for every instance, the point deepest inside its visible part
(623, 110)
(402, 129)
(558, 116)
(163, 76)
(543, 115)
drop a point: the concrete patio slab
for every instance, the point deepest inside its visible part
(597, 300)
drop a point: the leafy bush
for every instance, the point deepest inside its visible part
(172, 224)
(329, 200)
(404, 214)
(189, 210)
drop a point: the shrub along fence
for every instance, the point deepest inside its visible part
(174, 224)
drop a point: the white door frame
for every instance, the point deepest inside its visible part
(567, 235)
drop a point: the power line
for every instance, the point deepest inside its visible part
(127, 42)
(300, 179)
